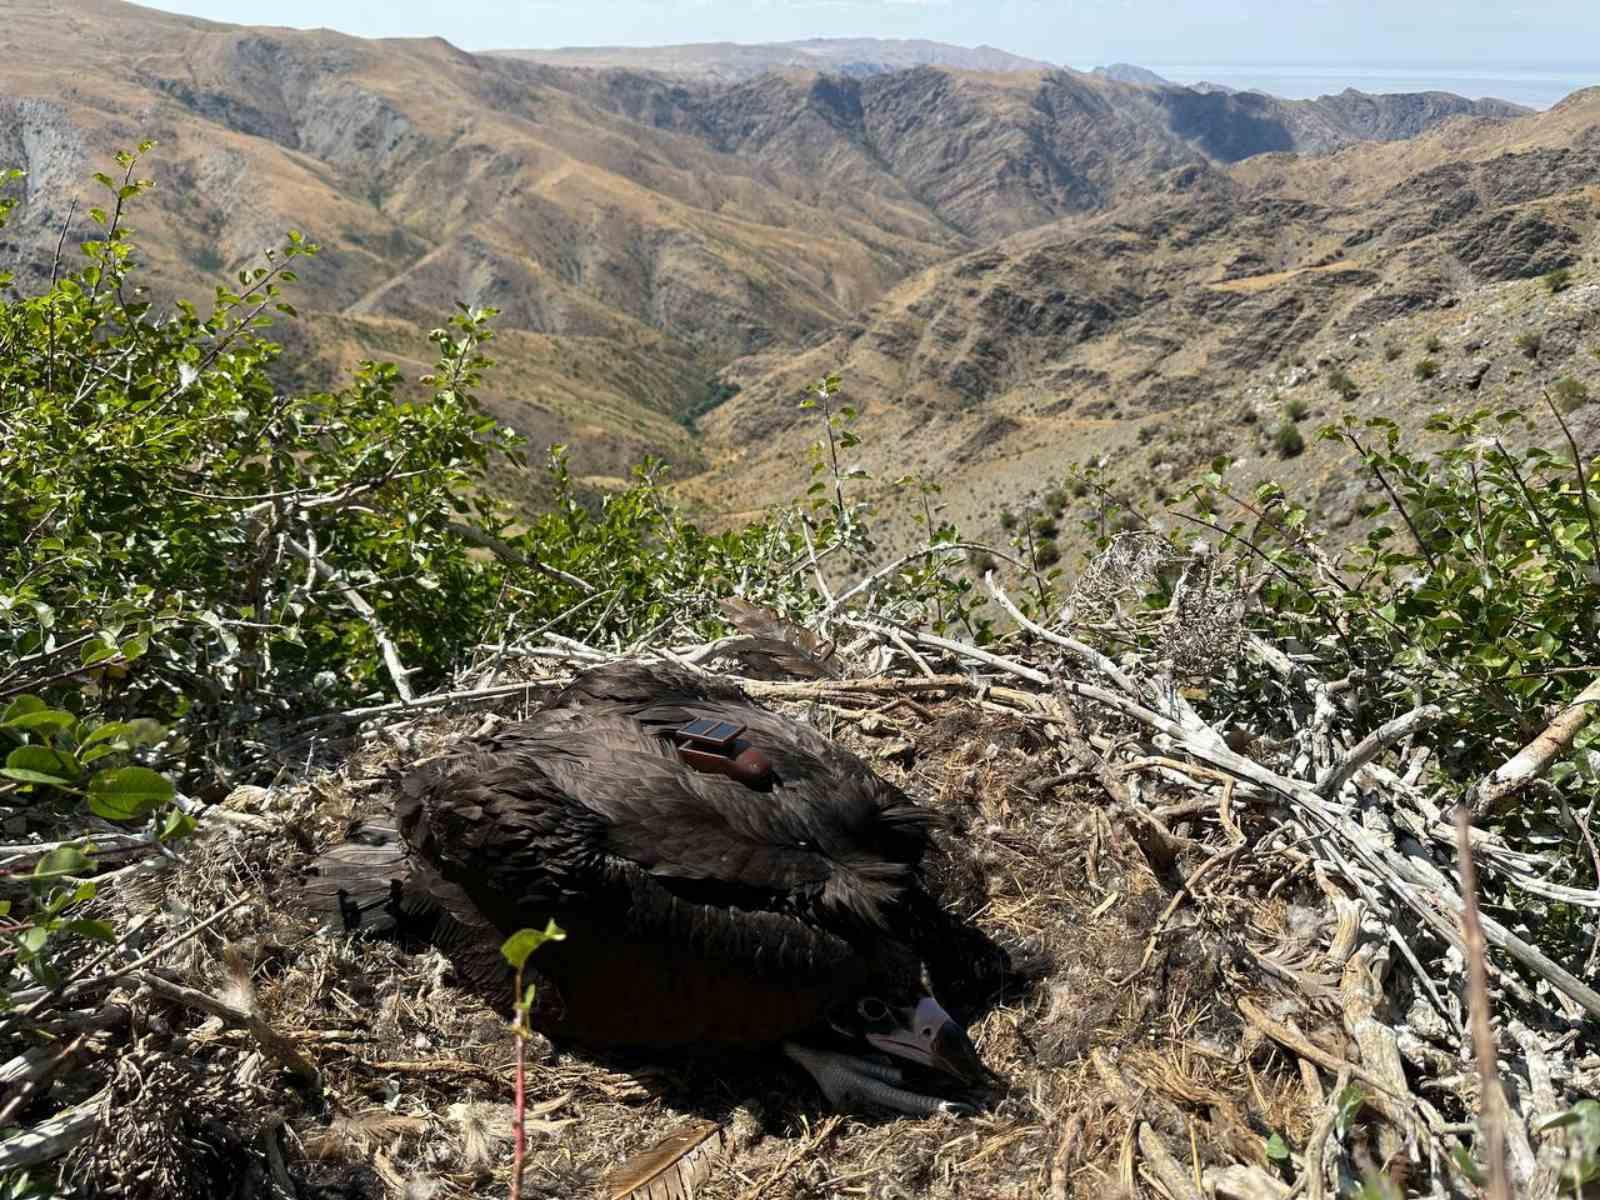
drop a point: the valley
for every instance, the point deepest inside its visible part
(1014, 268)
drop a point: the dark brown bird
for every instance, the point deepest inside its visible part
(725, 876)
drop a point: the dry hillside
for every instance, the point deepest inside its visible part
(637, 231)
(1184, 324)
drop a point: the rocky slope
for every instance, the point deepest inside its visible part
(639, 232)
(1173, 328)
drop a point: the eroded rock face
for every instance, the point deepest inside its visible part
(1516, 245)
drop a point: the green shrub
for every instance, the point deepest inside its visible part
(1433, 345)
(1558, 280)
(1297, 410)
(1570, 393)
(1008, 520)
(1341, 384)
(1498, 632)
(1045, 527)
(1425, 369)
(1047, 553)
(1288, 441)
(1391, 351)
(1529, 342)
(717, 394)
(247, 559)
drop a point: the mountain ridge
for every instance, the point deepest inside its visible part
(651, 242)
(738, 62)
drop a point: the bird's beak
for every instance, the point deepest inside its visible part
(926, 1034)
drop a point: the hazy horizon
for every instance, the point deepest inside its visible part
(1087, 33)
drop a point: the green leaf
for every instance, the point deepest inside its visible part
(1277, 1148)
(1463, 1160)
(101, 733)
(1349, 1104)
(51, 719)
(524, 942)
(40, 764)
(97, 651)
(128, 793)
(20, 707)
(100, 931)
(179, 824)
(32, 940)
(65, 860)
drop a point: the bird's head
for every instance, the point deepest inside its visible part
(908, 1023)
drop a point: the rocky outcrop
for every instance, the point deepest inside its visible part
(1516, 245)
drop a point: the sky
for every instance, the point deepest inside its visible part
(1078, 33)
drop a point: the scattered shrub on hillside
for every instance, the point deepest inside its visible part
(1055, 500)
(1008, 520)
(1392, 351)
(1529, 342)
(1046, 527)
(1297, 409)
(1558, 280)
(1425, 369)
(1047, 553)
(1570, 393)
(1288, 441)
(1341, 384)
(718, 392)
(1433, 345)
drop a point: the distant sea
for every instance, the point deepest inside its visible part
(1536, 87)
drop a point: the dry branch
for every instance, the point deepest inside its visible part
(391, 656)
(274, 1043)
(509, 553)
(1492, 1107)
(1534, 759)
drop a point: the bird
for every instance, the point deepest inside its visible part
(726, 877)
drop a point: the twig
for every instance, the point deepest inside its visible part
(82, 982)
(1374, 744)
(49, 1139)
(1535, 758)
(792, 1159)
(905, 648)
(504, 550)
(1579, 470)
(1317, 1147)
(851, 593)
(391, 656)
(1165, 1166)
(270, 1040)
(1306, 1048)
(1083, 653)
(1492, 1112)
(437, 700)
(816, 567)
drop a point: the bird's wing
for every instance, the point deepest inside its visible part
(607, 820)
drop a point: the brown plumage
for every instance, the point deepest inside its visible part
(699, 909)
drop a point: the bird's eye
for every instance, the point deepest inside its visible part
(872, 1009)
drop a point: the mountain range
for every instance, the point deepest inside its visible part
(1015, 265)
(733, 62)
